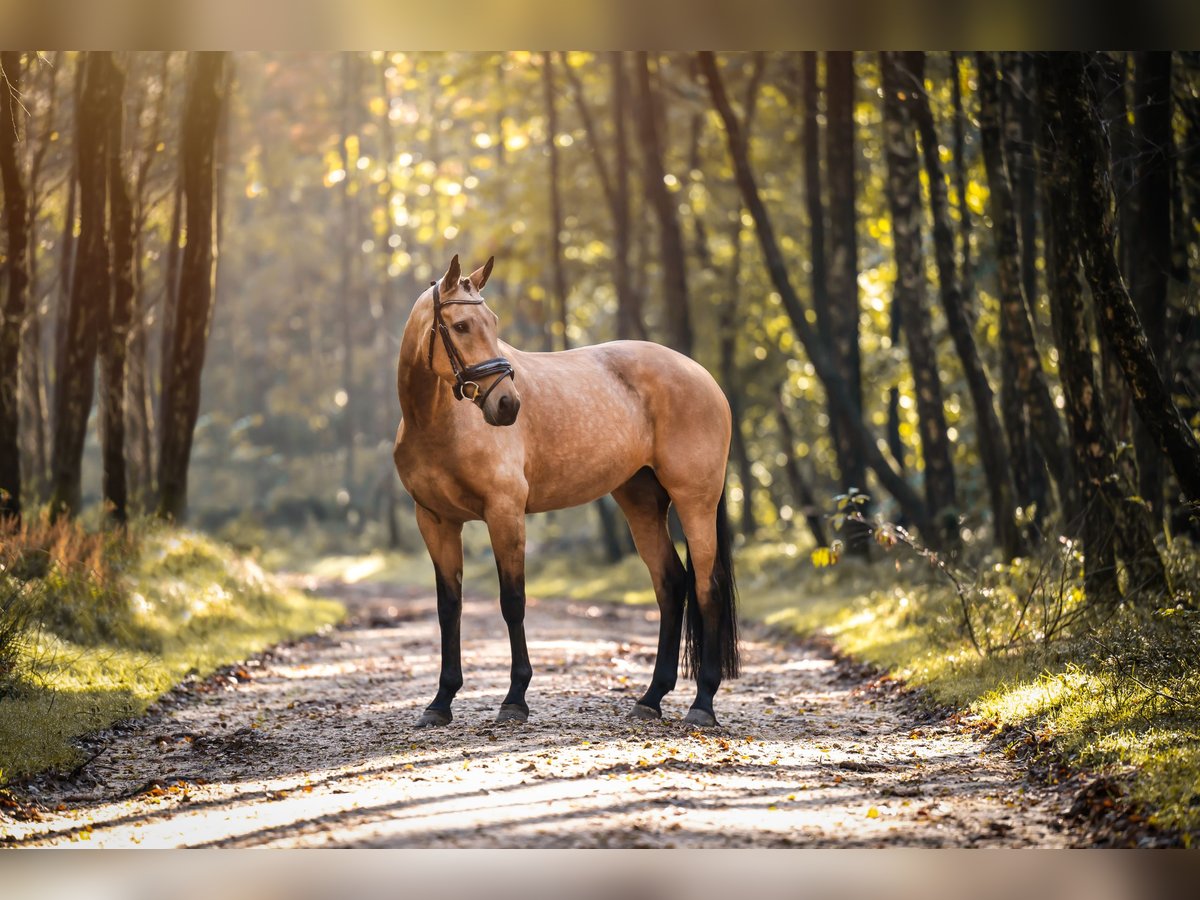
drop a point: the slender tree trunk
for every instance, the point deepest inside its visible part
(69, 244)
(114, 344)
(842, 276)
(1116, 316)
(139, 407)
(802, 493)
(993, 449)
(1016, 326)
(902, 76)
(170, 299)
(347, 208)
(1150, 250)
(1110, 74)
(90, 288)
(672, 261)
(967, 270)
(16, 221)
(823, 361)
(559, 287)
(630, 323)
(34, 408)
(193, 316)
(1104, 495)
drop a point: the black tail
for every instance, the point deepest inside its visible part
(725, 592)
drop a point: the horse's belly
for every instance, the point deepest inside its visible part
(578, 482)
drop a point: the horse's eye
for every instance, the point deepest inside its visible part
(461, 327)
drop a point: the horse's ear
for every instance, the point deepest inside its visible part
(480, 276)
(450, 279)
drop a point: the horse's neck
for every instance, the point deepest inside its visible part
(422, 394)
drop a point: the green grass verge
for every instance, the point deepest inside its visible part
(100, 646)
(1122, 698)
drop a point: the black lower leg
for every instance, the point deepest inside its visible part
(670, 631)
(708, 679)
(449, 606)
(512, 607)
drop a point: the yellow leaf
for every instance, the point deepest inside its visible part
(872, 813)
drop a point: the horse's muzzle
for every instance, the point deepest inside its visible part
(506, 411)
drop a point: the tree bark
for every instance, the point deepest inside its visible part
(1104, 495)
(842, 273)
(902, 76)
(139, 408)
(559, 287)
(1016, 327)
(672, 262)
(90, 288)
(193, 315)
(614, 185)
(114, 343)
(802, 493)
(967, 269)
(993, 448)
(823, 361)
(16, 221)
(1117, 319)
(1150, 248)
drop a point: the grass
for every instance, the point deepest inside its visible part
(109, 624)
(1119, 696)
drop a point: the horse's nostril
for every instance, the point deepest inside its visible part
(505, 403)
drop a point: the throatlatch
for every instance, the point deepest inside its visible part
(464, 375)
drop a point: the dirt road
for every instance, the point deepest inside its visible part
(314, 745)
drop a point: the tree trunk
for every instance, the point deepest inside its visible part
(90, 288)
(1104, 496)
(1150, 249)
(349, 254)
(842, 277)
(1016, 326)
(1110, 74)
(672, 262)
(139, 408)
(1116, 316)
(16, 221)
(802, 494)
(967, 270)
(193, 315)
(993, 448)
(559, 287)
(630, 324)
(823, 361)
(114, 344)
(902, 76)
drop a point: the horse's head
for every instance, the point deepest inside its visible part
(464, 348)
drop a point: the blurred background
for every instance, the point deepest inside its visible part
(605, 186)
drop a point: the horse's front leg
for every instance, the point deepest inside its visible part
(444, 542)
(506, 526)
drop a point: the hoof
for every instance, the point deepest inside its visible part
(512, 712)
(700, 718)
(646, 713)
(434, 718)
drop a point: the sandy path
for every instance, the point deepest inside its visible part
(314, 745)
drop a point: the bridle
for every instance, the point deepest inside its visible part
(464, 375)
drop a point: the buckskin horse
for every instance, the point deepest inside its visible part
(545, 431)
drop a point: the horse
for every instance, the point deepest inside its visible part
(547, 431)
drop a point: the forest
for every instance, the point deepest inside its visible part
(951, 298)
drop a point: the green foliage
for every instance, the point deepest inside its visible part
(110, 623)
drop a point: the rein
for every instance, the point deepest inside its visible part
(464, 375)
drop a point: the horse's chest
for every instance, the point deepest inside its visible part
(434, 482)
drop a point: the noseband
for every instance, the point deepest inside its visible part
(464, 375)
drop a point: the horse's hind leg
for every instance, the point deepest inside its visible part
(444, 541)
(714, 635)
(644, 502)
